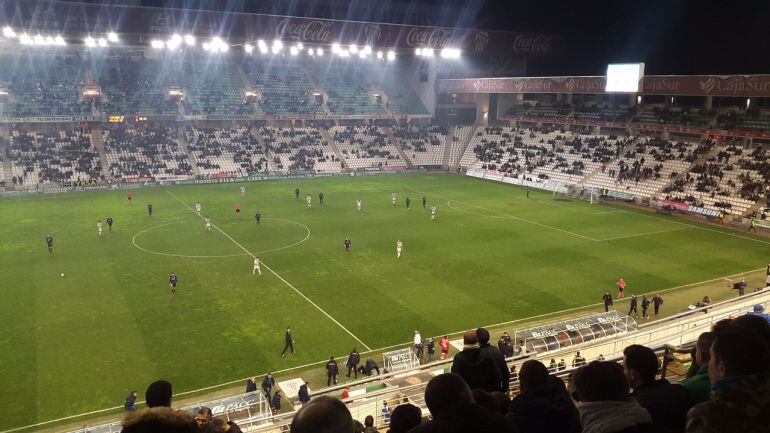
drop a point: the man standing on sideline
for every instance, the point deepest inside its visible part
(296, 193)
(352, 363)
(494, 353)
(657, 301)
(431, 349)
(304, 394)
(645, 306)
(443, 344)
(621, 288)
(289, 342)
(753, 225)
(417, 340)
(607, 301)
(130, 404)
(267, 385)
(634, 305)
(332, 371)
(251, 384)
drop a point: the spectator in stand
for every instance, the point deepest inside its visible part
(604, 404)
(158, 394)
(543, 404)
(404, 418)
(453, 409)
(220, 425)
(130, 404)
(494, 353)
(698, 386)
(740, 385)
(505, 345)
(369, 425)
(203, 419)
(578, 361)
(159, 419)
(323, 415)
(667, 404)
(385, 412)
(478, 370)
(759, 311)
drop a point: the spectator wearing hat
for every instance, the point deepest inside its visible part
(759, 310)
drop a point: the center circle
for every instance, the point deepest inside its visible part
(189, 239)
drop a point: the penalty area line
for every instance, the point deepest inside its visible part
(329, 316)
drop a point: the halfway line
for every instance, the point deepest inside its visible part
(274, 273)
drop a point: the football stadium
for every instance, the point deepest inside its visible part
(404, 216)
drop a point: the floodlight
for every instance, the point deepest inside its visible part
(300, 46)
(39, 39)
(155, 43)
(277, 43)
(58, 40)
(263, 49)
(418, 51)
(102, 42)
(379, 55)
(391, 55)
(112, 37)
(189, 40)
(353, 49)
(320, 52)
(450, 53)
(335, 47)
(311, 52)
(261, 43)
(248, 48)
(362, 54)
(206, 46)
(624, 77)
(294, 51)
(344, 53)
(368, 49)
(8, 32)
(224, 48)
(427, 52)
(90, 42)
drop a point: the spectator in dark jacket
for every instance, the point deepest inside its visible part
(267, 385)
(332, 371)
(323, 414)
(667, 404)
(352, 363)
(478, 370)
(251, 384)
(404, 418)
(130, 404)
(543, 405)
(158, 394)
(304, 394)
(494, 353)
(276, 401)
(159, 419)
(453, 409)
(605, 405)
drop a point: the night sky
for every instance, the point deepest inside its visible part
(670, 37)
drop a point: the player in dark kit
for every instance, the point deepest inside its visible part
(296, 193)
(407, 203)
(347, 246)
(109, 222)
(289, 342)
(424, 201)
(149, 209)
(172, 281)
(258, 217)
(321, 198)
(49, 242)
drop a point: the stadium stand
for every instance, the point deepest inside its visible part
(285, 88)
(232, 151)
(348, 89)
(424, 145)
(365, 147)
(146, 151)
(132, 85)
(300, 149)
(56, 156)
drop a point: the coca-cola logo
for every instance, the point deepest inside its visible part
(532, 44)
(308, 31)
(436, 38)
(708, 84)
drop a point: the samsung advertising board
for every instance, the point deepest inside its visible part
(624, 77)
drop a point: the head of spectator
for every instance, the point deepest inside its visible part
(703, 349)
(483, 337)
(532, 375)
(323, 415)
(159, 419)
(640, 364)
(543, 405)
(444, 391)
(158, 394)
(470, 340)
(737, 351)
(369, 421)
(485, 399)
(756, 322)
(404, 418)
(204, 417)
(605, 405)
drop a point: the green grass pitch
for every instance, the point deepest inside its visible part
(81, 342)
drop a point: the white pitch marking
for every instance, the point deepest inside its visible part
(276, 274)
(641, 234)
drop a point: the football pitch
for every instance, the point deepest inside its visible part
(81, 342)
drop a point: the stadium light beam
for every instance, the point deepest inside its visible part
(8, 32)
(293, 51)
(155, 43)
(189, 40)
(113, 37)
(336, 48)
(379, 55)
(90, 42)
(450, 53)
(248, 48)
(391, 55)
(353, 49)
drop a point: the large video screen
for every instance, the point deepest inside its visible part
(624, 77)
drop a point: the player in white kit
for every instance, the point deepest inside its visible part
(433, 212)
(358, 205)
(399, 248)
(309, 200)
(256, 267)
(393, 198)
(208, 224)
(99, 227)
(197, 207)
(243, 191)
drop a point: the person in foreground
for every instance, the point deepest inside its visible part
(739, 370)
(323, 415)
(543, 404)
(604, 403)
(454, 410)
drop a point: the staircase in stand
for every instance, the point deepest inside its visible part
(337, 152)
(7, 166)
(182, 140)
(466, 142)
(271, 167)
(97, 140)
(394, 143)
(449, 142)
